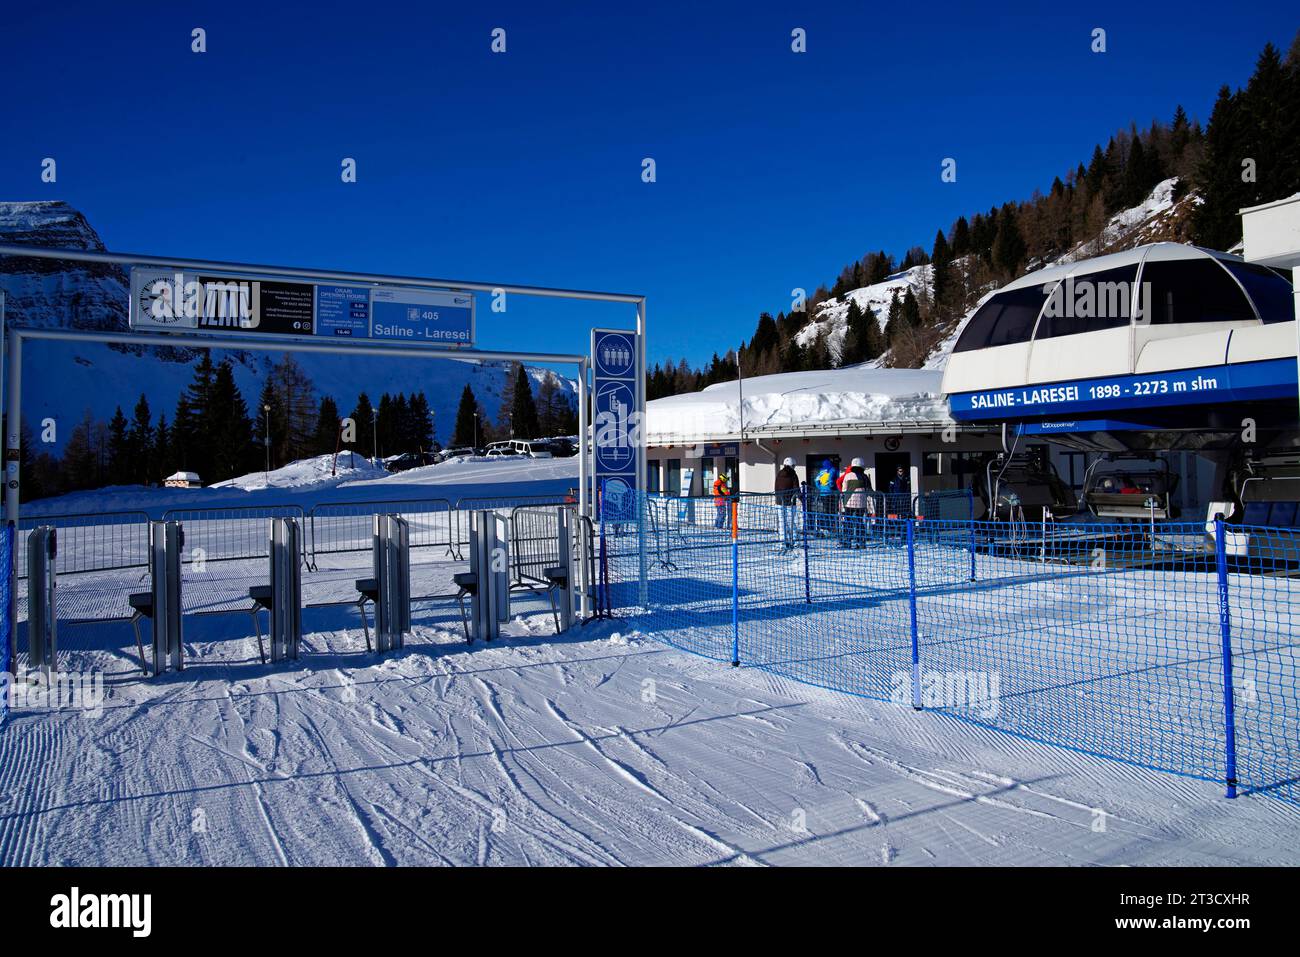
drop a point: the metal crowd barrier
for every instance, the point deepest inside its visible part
(338, 527)
(229, 534)
(93, 542)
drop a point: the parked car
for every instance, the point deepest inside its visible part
(456, 453)
(533, 448)
(411, 460)
(501, 450)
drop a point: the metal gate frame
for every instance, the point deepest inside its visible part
(13, 337)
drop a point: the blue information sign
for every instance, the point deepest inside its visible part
(343, 311)
(422, 316)
(1249, 381)
(615, 396)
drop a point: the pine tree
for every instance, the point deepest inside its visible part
(120, 466)
(523, 414)
(228, 428)
(142, 465)
(162, 463)
(941, 275)
(192, 425)
(465, 432)
(506, 409)
(911, 311)
(856, 335)
(363, 414)
(384, 425)
(272, 425)
(422, 424)
(1009, 245)
(327, 426)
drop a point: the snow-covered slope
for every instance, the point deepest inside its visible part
(831, 317)
(63, 380)
(861, 393)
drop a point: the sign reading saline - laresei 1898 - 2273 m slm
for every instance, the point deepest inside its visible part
(164, 300)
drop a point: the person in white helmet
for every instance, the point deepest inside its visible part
(787, 497)
(855, 499)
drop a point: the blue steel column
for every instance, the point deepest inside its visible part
(1225, 630)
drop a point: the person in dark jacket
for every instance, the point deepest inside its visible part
(787, 497)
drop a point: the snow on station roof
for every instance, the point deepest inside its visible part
(856, 399)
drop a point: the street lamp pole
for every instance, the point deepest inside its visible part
(266, 441)
(374, 435)
(476, 433)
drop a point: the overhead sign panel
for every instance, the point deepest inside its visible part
(419, 315)
(343, 311)
(170, 300)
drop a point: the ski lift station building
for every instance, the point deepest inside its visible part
(1166, 360)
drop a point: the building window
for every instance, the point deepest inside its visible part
(1194, 290)
(1089, 302)
(652, 476)
(932, 464)
(1007, 318)
(675, 477)
(1270, 290)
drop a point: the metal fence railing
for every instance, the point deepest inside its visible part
(469, 504)
(348, 526)
(91, 542)
(1170, 647)
(231, 533)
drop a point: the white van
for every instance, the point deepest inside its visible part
(533, 448)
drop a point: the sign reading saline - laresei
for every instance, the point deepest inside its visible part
(171, 300)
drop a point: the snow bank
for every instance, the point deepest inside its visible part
(307, 473)
(853, 395)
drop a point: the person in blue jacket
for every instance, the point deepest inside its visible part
(824, 482)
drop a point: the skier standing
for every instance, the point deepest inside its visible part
(855, 498)
(721, 499)
(787, 495)
(826, 495)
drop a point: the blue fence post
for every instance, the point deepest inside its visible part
(735, 584)
(1225, 628)
(807, 584)
(911, 600)
(971, 514)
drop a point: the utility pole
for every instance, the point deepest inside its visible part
(266, 441)
(476, 433)
(374, 434)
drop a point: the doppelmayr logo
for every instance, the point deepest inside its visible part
(78, 910)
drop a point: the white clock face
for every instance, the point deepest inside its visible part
(158, 299)
(155, 302)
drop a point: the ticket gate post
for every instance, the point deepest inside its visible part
(42, 619)
(166, 539)
(285, 612)
(392, 563)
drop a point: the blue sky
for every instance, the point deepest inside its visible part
(774, 168)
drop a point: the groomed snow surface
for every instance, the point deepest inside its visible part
(596, 748)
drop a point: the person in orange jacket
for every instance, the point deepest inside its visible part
(721, 499)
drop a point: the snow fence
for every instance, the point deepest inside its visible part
(1169, 646)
